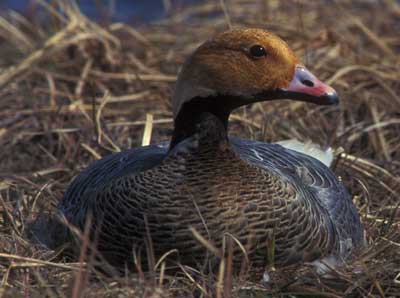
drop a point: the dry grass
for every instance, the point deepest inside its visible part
(73, 91)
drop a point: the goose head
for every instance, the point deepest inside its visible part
(242, 66)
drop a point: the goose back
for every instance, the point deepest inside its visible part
(249, 189)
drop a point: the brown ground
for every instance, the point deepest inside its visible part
(72, 91)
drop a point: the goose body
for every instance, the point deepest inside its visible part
(206, 181)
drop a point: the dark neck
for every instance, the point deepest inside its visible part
(206, 116)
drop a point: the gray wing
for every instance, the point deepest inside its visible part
(319, 180)
(109, 168)
(49, 231)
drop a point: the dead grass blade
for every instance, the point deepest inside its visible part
(71, 266)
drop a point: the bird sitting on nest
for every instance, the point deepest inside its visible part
(205, 185)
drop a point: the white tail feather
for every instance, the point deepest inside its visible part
(311, 149)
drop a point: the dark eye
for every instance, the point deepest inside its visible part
(258, 51)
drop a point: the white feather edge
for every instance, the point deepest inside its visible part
(309, 148)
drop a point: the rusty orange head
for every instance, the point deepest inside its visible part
(250, 64)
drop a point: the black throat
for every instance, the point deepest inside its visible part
(206, 116)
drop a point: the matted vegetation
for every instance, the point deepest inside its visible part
(73, 91)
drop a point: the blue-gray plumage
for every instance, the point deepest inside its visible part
(255, 191)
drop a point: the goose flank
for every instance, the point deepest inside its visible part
(203, 179)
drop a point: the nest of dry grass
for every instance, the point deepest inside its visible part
(73, 91)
